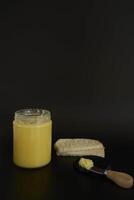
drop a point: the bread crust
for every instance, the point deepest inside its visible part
(79, 147)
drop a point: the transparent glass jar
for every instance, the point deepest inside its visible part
(32, 138)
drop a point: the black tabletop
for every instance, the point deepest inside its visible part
(59, 179)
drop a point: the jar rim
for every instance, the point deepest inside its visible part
(32, 116)
(29, 112)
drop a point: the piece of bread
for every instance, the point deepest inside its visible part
(79, 147)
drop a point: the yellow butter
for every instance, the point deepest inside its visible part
(32, 138)
(86, 163)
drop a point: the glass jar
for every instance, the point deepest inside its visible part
(32, 138)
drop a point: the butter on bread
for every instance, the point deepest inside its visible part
(79, 147)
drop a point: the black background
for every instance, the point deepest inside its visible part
(77, 60)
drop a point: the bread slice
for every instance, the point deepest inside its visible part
(79, 147)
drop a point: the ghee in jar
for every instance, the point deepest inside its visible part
(32, 138)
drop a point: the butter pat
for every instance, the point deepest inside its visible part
(86, 163)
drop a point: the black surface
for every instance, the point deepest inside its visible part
(59, 180)
(75, 59)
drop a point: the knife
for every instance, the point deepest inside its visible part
(122, 179)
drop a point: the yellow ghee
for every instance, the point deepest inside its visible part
(32, 137)
(86, 163)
